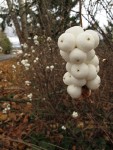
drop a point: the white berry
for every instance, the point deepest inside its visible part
(95, 61)
(68, 67)
(66, 42)
(92, 72)
(85, 42)
(94, 84)
(95, 36)
(90, 55)
(79, 71)
(76, 30)
(74, 91)
(64, 55)
(77, 56)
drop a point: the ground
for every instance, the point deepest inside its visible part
(19, 122)
(14, 114)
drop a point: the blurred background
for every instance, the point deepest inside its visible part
(19, 18)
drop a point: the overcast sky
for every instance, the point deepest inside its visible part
(100, 16)
(3, 3)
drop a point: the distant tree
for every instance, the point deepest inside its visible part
(109, 30)
(93, 8)
(17, 8)
(23, 18)
(55, 15)
(51, 17)
(43, 17)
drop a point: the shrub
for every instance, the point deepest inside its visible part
(60, 122)
(5, 43)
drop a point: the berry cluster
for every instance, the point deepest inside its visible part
(77, 49)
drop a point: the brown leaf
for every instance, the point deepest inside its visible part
(12, 116)
(25, 120)
(3, 117)
(74, 147)
(1, 131)
(80, 124)
(21, 146)
(28, 107)
(13, 105)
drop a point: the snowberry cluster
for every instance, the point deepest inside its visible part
(77, 49)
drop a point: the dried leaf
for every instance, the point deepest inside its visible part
(25, 120)
(3, 117)
(12, 116)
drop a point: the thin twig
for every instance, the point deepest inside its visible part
(23, 142)
(80, 11)
(6, 99)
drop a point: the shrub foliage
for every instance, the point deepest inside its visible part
(5, 43)
(92, 129)
(50, 124)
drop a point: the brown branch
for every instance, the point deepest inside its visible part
(6, 99)
(22, 142)
(80, 12)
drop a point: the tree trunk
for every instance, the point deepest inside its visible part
(23, 16)
(44, 17)
(15, 21)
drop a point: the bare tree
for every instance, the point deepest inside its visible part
(80, 12)
(94, 8)
(13, 15)
(21, 28)
(22, 12)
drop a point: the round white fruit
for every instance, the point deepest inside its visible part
(76, 30)
(73, 91)
(77, 56)
(85, 42)
(68, 67)
(92, 74)
(79, 71)
(94, 84)
(67, 78)
(90, 55)
(95, 36)
(78, 82)
(66, 42)
(97, 68)
(64, 55)
(95, 61)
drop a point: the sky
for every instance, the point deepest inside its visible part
(100, 16)
(3, 3)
